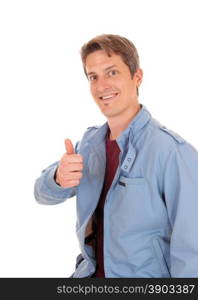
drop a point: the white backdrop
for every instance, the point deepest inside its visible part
(45, 98)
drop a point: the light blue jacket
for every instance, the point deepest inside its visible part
(151, 209)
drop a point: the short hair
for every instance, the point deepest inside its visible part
(111, 43)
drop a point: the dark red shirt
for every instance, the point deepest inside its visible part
(112, 161)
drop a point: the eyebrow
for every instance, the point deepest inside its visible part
(106, 69)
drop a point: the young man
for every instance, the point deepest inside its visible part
(136, 182)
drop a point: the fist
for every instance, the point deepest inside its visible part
(69, 172)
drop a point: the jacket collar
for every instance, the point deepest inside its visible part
(138, 122)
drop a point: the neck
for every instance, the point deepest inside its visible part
(118, 124)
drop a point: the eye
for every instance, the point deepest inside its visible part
(92, 77)
(112, 73)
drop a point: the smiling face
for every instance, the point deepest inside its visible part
(111, 84)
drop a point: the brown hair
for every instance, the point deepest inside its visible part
(111, 43)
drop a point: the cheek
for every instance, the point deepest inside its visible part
(120, 85)
(131, 87)
(92, 88)
(93, 92)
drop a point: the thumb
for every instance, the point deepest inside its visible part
(69, 147)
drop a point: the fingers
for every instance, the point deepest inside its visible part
(70, 168)
(69, 183)
(72, 158)
(69, 172)
(70, 175)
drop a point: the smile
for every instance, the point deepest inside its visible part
(108, 97)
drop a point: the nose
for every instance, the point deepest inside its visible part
(103, 84)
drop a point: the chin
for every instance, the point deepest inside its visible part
(109, 114)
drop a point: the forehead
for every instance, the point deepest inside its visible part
(99, 60)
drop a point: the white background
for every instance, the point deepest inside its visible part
(44, 98)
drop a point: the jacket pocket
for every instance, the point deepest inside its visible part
(128, 203)
(131, 181)
(161, 258)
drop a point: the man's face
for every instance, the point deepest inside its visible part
(111, 84)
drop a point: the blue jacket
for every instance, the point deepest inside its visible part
(151, 209)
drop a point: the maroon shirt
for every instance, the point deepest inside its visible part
(112, 160)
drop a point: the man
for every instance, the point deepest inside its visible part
(136, 182)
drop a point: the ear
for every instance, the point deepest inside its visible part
(139, 77)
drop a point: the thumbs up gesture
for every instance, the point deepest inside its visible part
(70, 168)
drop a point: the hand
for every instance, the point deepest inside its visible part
(69, 172)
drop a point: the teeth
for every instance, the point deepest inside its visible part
(107, 97)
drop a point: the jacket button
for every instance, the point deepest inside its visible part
(125, 166)
(129, 159)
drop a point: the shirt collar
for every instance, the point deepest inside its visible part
(139, 121)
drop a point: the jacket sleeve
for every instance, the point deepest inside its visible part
(47, 191)
(181, 197)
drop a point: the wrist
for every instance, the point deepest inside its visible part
(56, 177)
